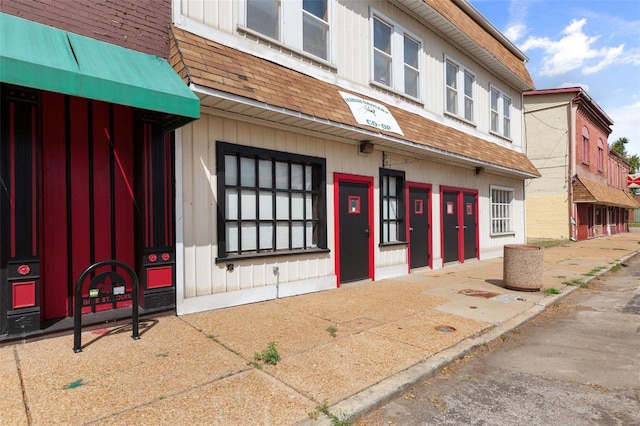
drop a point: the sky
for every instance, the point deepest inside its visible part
(594, 44)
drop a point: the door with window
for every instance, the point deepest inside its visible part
(459, 224)
(450, 227)
(354, 224)
(419, 226)
(470, 227)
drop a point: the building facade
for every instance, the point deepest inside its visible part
(583, 189)
(89, 104)
(342, 141)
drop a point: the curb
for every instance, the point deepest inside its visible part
(369, 399)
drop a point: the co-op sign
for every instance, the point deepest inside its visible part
(371, 113)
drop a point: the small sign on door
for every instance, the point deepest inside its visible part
(418, 207)
(354, 205)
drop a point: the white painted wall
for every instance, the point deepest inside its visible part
(208, 285)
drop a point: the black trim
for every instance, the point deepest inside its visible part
(400, 197)
(230, 259)
(319, 171)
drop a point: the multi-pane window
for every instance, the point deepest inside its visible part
(459, 84)
(270, 201)
(307, 17)
(501, 210)
(500, 113)
(396, 58)
(392, 206)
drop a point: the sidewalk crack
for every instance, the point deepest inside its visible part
(24, 391)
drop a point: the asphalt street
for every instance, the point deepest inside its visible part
(578, 363)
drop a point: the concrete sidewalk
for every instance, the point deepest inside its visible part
(352, 347)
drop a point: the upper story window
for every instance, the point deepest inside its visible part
(396, 59)
(269, 202)
(459, 95)
(500, 113)
(392, 206)
(585, 145)
(285, 24)
(600, 155)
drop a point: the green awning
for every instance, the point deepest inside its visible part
(42, 57)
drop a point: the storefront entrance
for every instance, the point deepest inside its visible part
(83, 181)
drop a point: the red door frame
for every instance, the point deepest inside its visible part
(368, 180)
(461, 211)
(428, 187)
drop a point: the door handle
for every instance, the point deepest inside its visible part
(457, 227)
(410, 229)
(366, 233)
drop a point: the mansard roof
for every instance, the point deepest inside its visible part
(233, 82)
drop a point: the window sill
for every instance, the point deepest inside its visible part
(459, 118)
(272, 41)
(503, 234)
(235, 257)
(393, 91)
(393, 243)
(501, 136)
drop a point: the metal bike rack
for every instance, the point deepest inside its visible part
(112, 276)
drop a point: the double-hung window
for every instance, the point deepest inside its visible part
(396, 57)
(600, 155)
(500, 113)
(307, 17)
(585, 145)
(459, 85)
(501, 210)
(392, 206)
(269, 201)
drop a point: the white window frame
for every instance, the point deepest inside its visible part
(460, 90)
(502, 210)
(503, 119)
(290, 27)
(397, 56)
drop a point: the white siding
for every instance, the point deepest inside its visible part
(303, 273)
(351, 28)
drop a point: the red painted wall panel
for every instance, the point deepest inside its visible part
(79, 188)
(54, 273)
(101, 183)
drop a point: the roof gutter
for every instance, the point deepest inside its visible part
(367, 134)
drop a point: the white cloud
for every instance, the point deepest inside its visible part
(515, 32)
(626, 123)
(516, 26)
(572, 51)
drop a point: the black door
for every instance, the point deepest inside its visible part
(450, 227)
(418, 228)
(354, 231)
(470, 227)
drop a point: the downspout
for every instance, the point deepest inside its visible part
(573, 219)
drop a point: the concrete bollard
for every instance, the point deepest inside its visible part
(523, 267)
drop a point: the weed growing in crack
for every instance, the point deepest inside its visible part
(268, 356)
(550, 291)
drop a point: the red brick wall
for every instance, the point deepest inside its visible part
(588, 167)
(140, 25)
